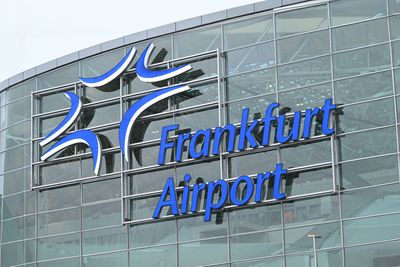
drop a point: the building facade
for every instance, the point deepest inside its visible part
(342, 204)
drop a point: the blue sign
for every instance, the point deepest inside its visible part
(242, 135)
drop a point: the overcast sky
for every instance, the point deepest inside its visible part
(36, 31)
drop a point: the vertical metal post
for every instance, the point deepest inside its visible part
(314, 237)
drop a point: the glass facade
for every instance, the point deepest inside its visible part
(345, 188)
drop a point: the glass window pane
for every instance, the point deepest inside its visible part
(256, 245)
(58, 246)
(301, 20)
(303, 46)
(196, 120)
(198, 95)
(73, 262)
(108, 91)
(361, 61)
(255, 219)
(257, 107)
(94, 116)
(383, 254)
(110, 239)
(194, 228)
(157, 257)
(196, 41)
(60, 172)
(111, 162)
(12, 254)
(305, 98)
(17, 111)
(366, 115)
(364, 87)
(343, 12)
(59, 222)
(304, 73)
(296, 239)
(149, 181)
(144, 208)
(59, 198)
(54, 101)
(101, 190)
(311, 211)
(16, 181)
(249, 31)
(394, 6)
(269, 262)
(250, 58)
(364, 144)
(371, 229)
(13, 230)
(192, 254)
(250, 164)
(163, 232)
(114, 259)
(395, 26)
(371, 201)
(306, 154)
(310, 181)
(98, 65)
(361, 34)
(101, 215)
(369, 172)
(208, 170)
(66, 75)
(13, 206)
(396, 53)
(20, 90)
(251, 84)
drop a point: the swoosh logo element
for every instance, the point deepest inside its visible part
(151, 76)
(111, 74)
(80, 137)
(136, 109)
(76, 106)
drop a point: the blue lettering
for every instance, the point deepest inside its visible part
(164, 145)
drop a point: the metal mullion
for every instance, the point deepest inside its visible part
(373, 243)
(366, 101)
(250, 98)
(301, 33)
(362, 75)
(393, 87)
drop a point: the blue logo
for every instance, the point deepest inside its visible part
(91, 139)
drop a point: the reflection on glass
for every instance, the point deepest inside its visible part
(249, 31)
(369, 172)
(343, 12)
(303, 46)
(196, 41)
(250, 58)
(251, 84)
(361, 61)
